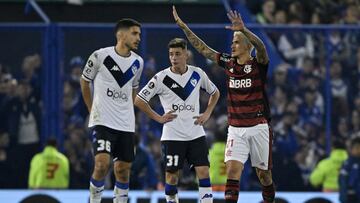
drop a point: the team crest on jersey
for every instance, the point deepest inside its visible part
(193, 81)
(247, 68)
(134, 68)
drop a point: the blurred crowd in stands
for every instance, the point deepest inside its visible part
(297, 92)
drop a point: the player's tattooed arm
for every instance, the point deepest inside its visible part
(261, 54)
(197, 43)
(237, 24)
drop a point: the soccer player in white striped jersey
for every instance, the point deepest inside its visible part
(114, 72)
(183, 136)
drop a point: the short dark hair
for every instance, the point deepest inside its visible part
(338, 144)
(178, 43)
(51, 141)
(126, 23)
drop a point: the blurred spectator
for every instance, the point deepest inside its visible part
(31, 73)
(287, 132)
(5, 171)
(296, 45)
(78, 149)
(280, 98)
(285, 167)
(76, 65)
(143, 174)
(309, 112)
(23, 120)
(72, 104)
(266, 16)
(327, 170)
(280, 17)
(355, 122)
(216, 156)
(49, 169)
(354, 74)
(296, 9)
(352, 15)
(349, 180)
(155, 149)
(339, 91)
(338, 46)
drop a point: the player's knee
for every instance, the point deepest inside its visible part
(202, 172)
(122, 174)
(101, 168)
(172, 178)
(234, 171)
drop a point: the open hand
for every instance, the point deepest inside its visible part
(237, 23)
(167, 117)
(178, 20)
(201, 119)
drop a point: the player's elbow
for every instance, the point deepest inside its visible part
(138, 102)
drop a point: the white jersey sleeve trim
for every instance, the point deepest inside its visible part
(142, 98)
(86, 78)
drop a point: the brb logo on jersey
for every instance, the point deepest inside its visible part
(183, 107)
(115, 95)
(243, 83)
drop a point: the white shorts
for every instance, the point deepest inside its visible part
(256, 141)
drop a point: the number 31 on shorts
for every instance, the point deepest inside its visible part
(172, 160)
(104, 145)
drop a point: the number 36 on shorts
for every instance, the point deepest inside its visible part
(104, 145)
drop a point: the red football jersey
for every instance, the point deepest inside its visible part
(247, 102)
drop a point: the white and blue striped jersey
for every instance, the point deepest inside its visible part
(180, 93)
(114, 77)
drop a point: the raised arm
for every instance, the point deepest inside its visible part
(197, 43)
(238, 25)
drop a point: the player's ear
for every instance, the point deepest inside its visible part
(120, 34)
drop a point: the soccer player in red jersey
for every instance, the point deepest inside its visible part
(248, 107)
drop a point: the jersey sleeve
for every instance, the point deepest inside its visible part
(151, 89)
(136, 81)
(207, 84)
(91, 68)
(224, 60)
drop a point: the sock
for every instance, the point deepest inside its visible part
(96, 189)
(268, 193)
(121, 191)
(171, 193)
(205, 191)
(232, 191)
